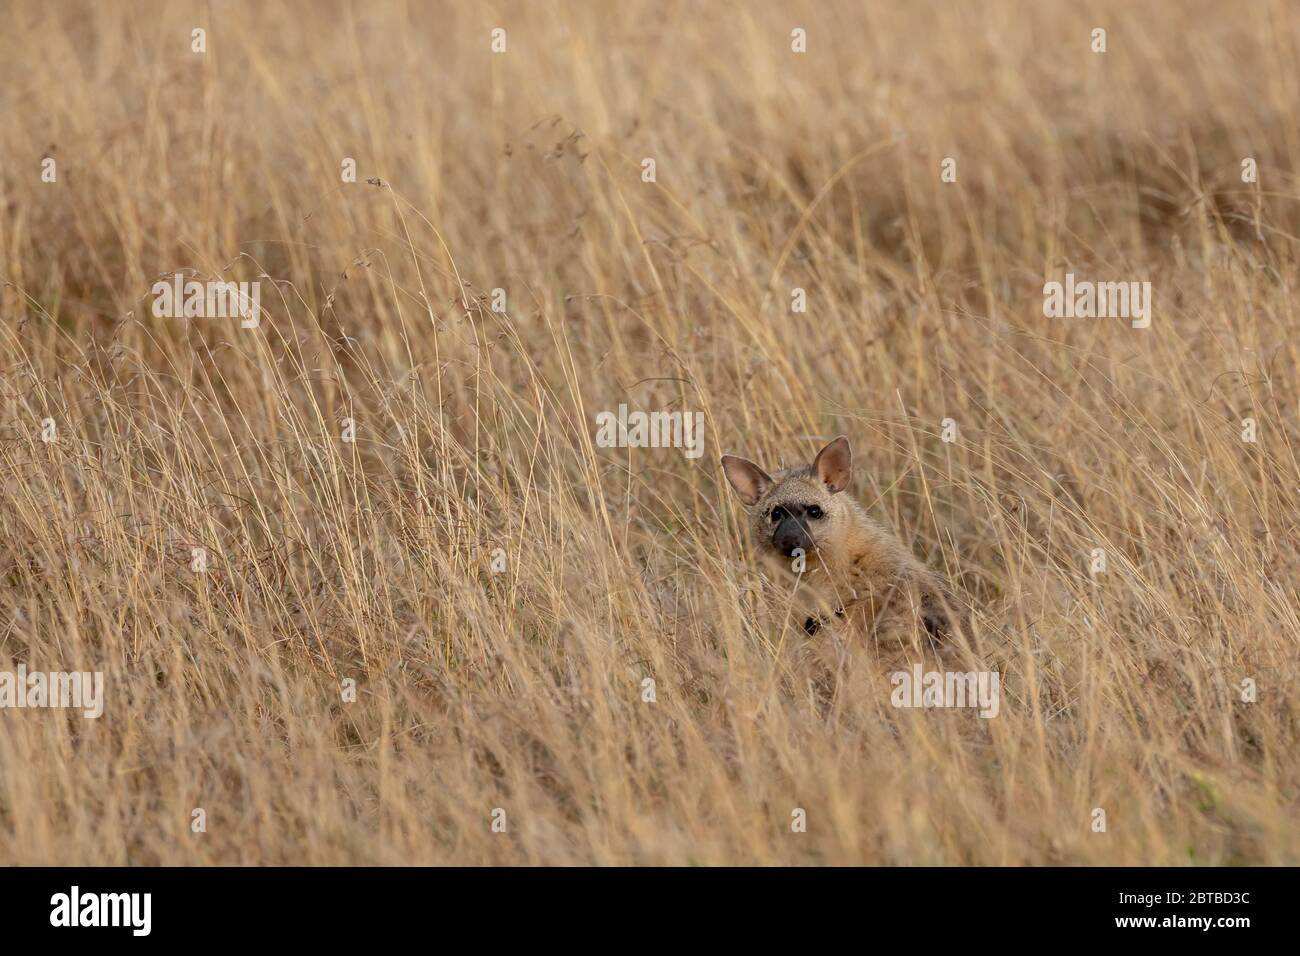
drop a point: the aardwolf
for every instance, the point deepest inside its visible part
(851, 568)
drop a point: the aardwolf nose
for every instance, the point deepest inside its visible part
(789, 535)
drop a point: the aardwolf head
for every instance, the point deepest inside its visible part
(798, 508)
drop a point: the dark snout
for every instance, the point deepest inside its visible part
(790, 533)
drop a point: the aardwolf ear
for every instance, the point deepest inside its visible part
(747, 478)
(832, 464)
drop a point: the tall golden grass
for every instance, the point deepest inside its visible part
(371, 560)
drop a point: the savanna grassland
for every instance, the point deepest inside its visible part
(349, 468)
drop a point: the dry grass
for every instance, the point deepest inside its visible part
(474, 430)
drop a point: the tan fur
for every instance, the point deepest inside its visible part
(858, 575)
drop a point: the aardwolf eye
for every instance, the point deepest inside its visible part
(813, 512)
(777, 514)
